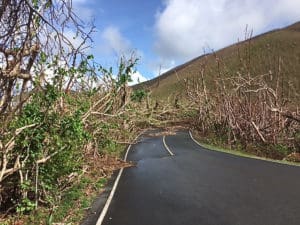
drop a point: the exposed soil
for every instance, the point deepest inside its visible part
(168, 131)
(107, 164)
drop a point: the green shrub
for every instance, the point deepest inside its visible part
(51, 150)
(138, 95)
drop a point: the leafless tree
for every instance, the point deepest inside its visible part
(245, 107)
(33, 33)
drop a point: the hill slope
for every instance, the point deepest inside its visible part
(276, 52)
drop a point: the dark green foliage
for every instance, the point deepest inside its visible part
(126, 68)
(56, 132)
(138, 95)
(54, 145)
(297, 141)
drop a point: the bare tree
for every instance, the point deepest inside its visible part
(246, 108)
(33, 32)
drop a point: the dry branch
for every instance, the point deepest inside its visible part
(259, 133)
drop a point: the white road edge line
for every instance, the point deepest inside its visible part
(194, 139)
(244, 156)
(166, 146)
(111, 195)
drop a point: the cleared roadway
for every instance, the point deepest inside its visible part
(199, 186)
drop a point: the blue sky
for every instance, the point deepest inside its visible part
(166, 33)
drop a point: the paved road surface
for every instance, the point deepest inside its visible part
(198, 186)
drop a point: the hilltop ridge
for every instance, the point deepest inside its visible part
(265, 51)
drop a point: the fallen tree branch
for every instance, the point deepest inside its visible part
(287, 114)
(258, 132)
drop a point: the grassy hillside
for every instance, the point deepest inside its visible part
(276, 52)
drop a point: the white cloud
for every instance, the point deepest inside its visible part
(137, 77)
(185, 27)
(161, 66)
(73, 38)
(169, 66)
(113, 42)
(84, 9)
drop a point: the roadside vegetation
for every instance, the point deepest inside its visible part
(65, 120)
(245, 96)
(246, 110)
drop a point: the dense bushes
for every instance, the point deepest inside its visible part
(47, 152)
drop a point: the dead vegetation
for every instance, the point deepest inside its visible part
(57, 128)
(247, 110)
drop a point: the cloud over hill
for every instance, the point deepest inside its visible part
(185, 27)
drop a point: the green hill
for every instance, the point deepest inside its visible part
(276, 52)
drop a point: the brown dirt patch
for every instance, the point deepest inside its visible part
(293, 157)
(104, 165)
(168, 131)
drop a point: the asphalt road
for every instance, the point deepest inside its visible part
(198, 186)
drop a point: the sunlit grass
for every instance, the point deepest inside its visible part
(244, 154)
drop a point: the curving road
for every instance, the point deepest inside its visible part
(198, 186)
